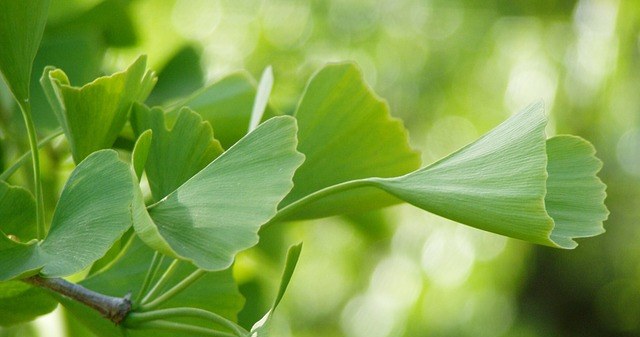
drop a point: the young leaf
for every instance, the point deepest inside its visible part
(176, 154)
(94, 210)
(92, 116)
(17, 211)
(20, 302)
(262, 98)
(261, 328)
(219, 211)
(227, 105)
(21, 27)
(346, 133)
(499, 184)
(215, 292)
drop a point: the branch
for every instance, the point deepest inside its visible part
(114, 309)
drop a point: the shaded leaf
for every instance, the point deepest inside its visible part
(219, 211)
(20, 302)
(499, 184)
(346, 133)
(94, 210)
(18, 212)
(215, 292)
(227, 105)
(575, 195)
(92, 116)
(261, 328)
(21, 27)
(181, 76)
(178, 153)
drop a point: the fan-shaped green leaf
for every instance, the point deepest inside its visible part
(261, 328)
(176, 154)
(574, 193)
(18, 212)
(20, 302)
(346, 133)
(216, 292)
(499, 184)
(92, 116)
(219, 211)
(94, 210)
(21, 27)
(140, 152)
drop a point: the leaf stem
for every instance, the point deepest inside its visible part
(154, 268)
(112, 308)
(288, 210)
(20, 161)
(164, 279)
(136, 318)
(184, 329)
(25, 107)
(184, 284)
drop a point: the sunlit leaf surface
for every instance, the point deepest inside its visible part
(176, 154)
(92, 116)
(219, 211)
(346, 133)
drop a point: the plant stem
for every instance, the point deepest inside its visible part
(20, 161)
(25, 107)
(113, 308)
(154, 267)
(185, 283)
(136, 318)
(164, 279)
(184, 329)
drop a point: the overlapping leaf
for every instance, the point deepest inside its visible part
(499, 183)
(21, 27)
(176, 154)
(17, 212)
(219, 211)
(215, 292)
(92, 116)
(94, 210)
(227, 105)
(346, 133)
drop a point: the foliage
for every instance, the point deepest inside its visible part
(339, 153)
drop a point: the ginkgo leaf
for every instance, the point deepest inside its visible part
(92, 116)
(140, 152)
(20, 302)
(178, 153)
(262, 98)
(512, 181)
(21, 27)
(227, 105)
(346, 133)
(215, 292)
(94, 210)
(218, 212)
(18, 212)
(262, 327)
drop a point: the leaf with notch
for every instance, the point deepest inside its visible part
(92, 116)
(346, 133)
(218, 212)
(178, 153)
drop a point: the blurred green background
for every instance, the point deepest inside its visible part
(452, 70)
